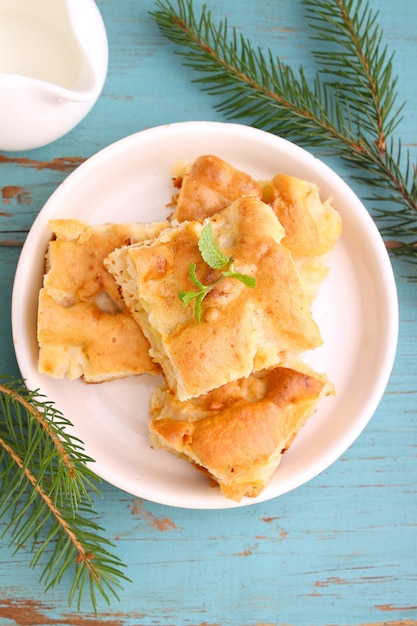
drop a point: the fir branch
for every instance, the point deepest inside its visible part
(349, 108)
(44, 491)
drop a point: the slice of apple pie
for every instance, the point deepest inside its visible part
(84, 328)
(241, 329)
(238, 433)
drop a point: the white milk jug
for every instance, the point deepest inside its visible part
(53, 64)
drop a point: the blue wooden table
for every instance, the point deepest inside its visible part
(342, 549)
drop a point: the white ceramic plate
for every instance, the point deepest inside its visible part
(356, 310)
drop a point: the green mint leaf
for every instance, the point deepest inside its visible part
(249, 281)
(209, 249)
(199, 299)
(215, 258)
(187, 297)
(193, 276)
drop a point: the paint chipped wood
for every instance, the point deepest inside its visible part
(339, 551)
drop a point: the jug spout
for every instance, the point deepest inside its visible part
(92, 47)
(52, 52)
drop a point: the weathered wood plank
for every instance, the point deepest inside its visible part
(339, 551)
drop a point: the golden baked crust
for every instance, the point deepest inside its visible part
(210, 185)
(84, 329)
(83, 341)
(238, 433)
(312, 227)
(242, 330)
(236, 394)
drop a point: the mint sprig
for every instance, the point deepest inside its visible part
(209, 249)
(216, 259)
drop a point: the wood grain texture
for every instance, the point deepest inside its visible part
(339, 551)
